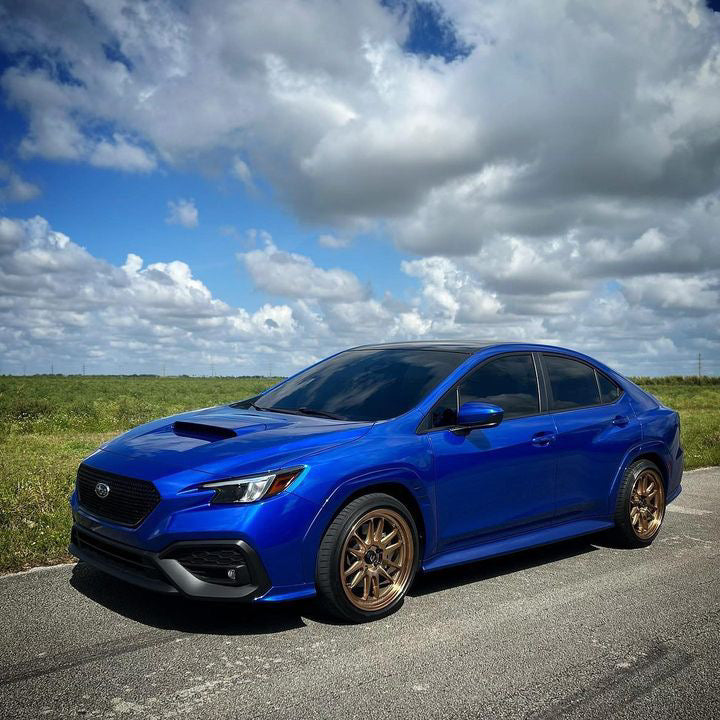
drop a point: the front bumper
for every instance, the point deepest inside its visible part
(179, 568)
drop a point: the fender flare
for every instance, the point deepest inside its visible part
(642, 448)
(404, 476)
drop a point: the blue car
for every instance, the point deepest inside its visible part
(347, 479)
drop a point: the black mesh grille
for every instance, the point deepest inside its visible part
(129, 501)
(211, 563)
(118, 555)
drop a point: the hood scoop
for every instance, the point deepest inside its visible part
(202, 431)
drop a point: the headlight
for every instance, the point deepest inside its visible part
(251, 488)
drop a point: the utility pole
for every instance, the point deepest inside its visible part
(699, 365)
(83, 368)
(52, 368)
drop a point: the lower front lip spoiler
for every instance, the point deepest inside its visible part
(160, 573)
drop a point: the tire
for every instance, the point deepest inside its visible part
(367, 559)
(640, 505)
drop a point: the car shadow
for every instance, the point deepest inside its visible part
(503, 565)
(180, 614)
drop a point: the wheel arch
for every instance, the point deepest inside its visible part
(659, 461)
(397, 487)
(656, 452)
(400, 492)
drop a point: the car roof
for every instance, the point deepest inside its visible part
(446, 345)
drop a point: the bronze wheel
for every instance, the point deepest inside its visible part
(367, 558)
(377, 559)
(647, 503)
(640, 504)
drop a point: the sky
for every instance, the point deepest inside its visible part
(245, 187)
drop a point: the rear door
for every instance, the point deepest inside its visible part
(595, 427)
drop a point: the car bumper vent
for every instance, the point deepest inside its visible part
(219, 565)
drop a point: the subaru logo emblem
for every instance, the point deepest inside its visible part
(102, 490)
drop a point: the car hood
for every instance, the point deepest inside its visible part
(226, 440)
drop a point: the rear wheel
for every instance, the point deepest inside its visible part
(640, 507)
(367, 558)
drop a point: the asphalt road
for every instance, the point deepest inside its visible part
(578, 630)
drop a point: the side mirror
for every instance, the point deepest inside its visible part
(479, 415)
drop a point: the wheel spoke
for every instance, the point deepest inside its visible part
(369, 533)
(388, 538)
(366, 587)
(394, 546)
(385, 573)
(642, 484)
(379, 532)
(358, 577)
(357, 565)
(360, 540)
(375, 586)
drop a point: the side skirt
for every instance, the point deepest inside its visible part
(534, 538)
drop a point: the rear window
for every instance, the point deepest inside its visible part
(572, 383)
(609, 391)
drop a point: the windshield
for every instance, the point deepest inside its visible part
(363, 384)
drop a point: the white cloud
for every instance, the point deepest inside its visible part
(13, 188)
(122, 155)
(242, 172)
(292, 275)
(59, 303)
(182, 212)
(562, 173)
(332, 241)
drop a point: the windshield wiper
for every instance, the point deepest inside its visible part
(320, 413)
(298, 411)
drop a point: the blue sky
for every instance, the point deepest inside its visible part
(347, 172)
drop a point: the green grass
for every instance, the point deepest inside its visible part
(49, 423)
(699, 406)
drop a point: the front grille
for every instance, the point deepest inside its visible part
(120, 556)
(211, 563)
(129, 501)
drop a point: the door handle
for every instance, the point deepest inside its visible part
(620, 420)
(543, 439)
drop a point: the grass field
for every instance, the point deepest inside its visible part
(49, 423)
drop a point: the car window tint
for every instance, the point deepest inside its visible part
(372, 384)
(572, 383)
(609, 391)
(445, 412)
(509, 382)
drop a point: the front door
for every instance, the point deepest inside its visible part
(495, 481)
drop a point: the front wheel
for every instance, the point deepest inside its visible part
(367, 558)
(640, 507)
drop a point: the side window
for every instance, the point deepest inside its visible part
(572, 383)
(609, 391)
(509, 382)
(445, 412)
